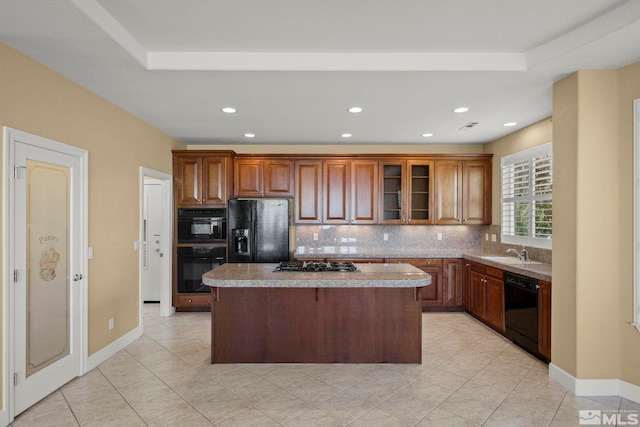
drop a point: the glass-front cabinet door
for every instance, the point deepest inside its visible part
(407, 192)
(393, 203)
(420, 192)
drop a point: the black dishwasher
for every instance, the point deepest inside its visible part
(521, 310)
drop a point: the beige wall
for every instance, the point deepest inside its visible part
(39, 101)
(563, 309)
(536, 134)
(628, 91)
(593, 223)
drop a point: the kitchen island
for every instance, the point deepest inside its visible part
(372, 315)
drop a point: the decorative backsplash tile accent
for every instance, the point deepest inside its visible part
(371, 238)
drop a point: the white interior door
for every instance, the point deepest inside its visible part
(46, 299)
(152, 240)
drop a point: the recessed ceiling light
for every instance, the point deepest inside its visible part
(346, 135)
(510, 124)
(461, 110)
(229, 110)
(249, 135)
(427, 135)
(355, 110)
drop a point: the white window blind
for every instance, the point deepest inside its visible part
(527, 189)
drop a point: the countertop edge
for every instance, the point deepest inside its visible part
(263, 276)
(537, 271)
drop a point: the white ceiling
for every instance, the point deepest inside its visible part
(293, 67)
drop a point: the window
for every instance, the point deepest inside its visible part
(527, 184)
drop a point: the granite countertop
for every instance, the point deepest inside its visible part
(369, 276)
(540, 271)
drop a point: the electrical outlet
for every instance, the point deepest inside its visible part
(385, 237)
(136, 245)
(494, 238)
(90, 252)
(112, 323)
(315, 236)
(439, 236)
(486, 236)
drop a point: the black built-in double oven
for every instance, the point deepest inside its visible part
(202, 240)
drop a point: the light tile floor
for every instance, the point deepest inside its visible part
(469, 376)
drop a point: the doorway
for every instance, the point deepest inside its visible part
(45, 265)
(156, 236)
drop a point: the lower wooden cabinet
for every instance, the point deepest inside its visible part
(445, 291)
(544, 319)
(494, 301)
(193, 302)
(452, 271)
(486, 294)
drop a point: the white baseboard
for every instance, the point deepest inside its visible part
(606, 387)
(101, 355)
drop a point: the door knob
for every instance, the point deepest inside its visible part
(77, 277)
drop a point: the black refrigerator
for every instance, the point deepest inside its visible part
(259, 230)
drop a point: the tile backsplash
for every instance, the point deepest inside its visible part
(346, 239)
(363, 238)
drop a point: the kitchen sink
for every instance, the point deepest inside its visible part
(510, 260)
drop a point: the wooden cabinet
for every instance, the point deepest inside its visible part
(476, 191)
(448, 178)
(477, 290)
(406, 190)
(364, 192)
(263, 177)
(445, 291)
(452, 271)
(336, 194)
(201, 179)
(393, 183)
(195, 302)
(494, 301)
(486, 294)
(350, 191)
(466, 284)
(463, 191)
(308, 191)
(544, 319)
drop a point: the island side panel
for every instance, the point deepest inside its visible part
(322, 325)
(347, 325)
(399, 325)
(264, 325)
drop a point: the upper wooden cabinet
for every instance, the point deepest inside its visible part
(201, 178)
(350, 191)
(364, 192)
(308, 191)
(406, 189)
(463, 191)
(263, 177)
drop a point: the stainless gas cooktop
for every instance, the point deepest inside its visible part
(316, 266)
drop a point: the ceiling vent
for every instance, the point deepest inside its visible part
(469, 125)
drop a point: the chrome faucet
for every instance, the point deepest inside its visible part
(523, 255)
